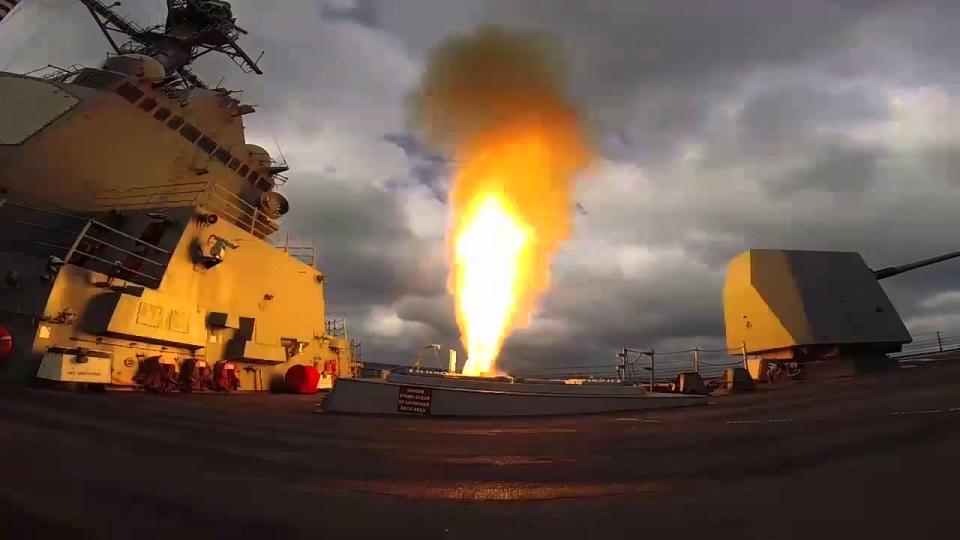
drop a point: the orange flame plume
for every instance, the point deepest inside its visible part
(494, 101)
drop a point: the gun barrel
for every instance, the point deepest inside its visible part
(895, 270)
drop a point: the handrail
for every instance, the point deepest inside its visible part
(135, 196)
(44, 210)
(80, 254)
(116, 263)
(259, 222)
(134, 238)
(32, 224)
(85, 235)
(305, 254)
(121, 250)
(41, 242)
(156, 186)
(221, 200)
(6, 203)
(51, 72)
(136, 206)
(226, 201)
(217, 186)
(145, 197)
(297, 249)
(255, 223)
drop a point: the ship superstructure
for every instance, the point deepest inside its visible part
(136, 223)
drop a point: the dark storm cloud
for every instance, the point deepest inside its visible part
(943, 162)
(652, 69)
(610, 310)
(364, 244)
(426, 167)
(436, 311)
(410, 145)
(777, 121)
(838, 170)
(775, 112)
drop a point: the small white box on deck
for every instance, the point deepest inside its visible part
(74, 365)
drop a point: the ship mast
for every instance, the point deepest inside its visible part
(193, 28)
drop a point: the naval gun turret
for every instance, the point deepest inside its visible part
(136, 224)
(812, 306)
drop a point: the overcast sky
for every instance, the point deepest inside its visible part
(721, 126)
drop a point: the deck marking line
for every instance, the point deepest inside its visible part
(643, 420)
(770, 421)
(925, 411)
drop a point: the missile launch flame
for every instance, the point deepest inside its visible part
(493, 100)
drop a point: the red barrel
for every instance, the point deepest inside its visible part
(302, 379)
(6, 342)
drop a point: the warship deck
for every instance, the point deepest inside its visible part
(874, 457)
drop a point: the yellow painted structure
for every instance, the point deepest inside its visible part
(781, 304)
(136, 223)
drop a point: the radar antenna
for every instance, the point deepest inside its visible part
(193, 28)
(279, 167)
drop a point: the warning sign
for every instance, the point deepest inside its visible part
(414, 400)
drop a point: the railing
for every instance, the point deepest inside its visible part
(932, 343)
(336, 328)
(150, 197)
(38, 226)
(649, 365)
(645, 365)
(305, 253)
(95, 246)
(219, 199)
(51, 72)
(136, 267)
(239, 212)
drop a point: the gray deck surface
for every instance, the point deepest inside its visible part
(873, 457)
